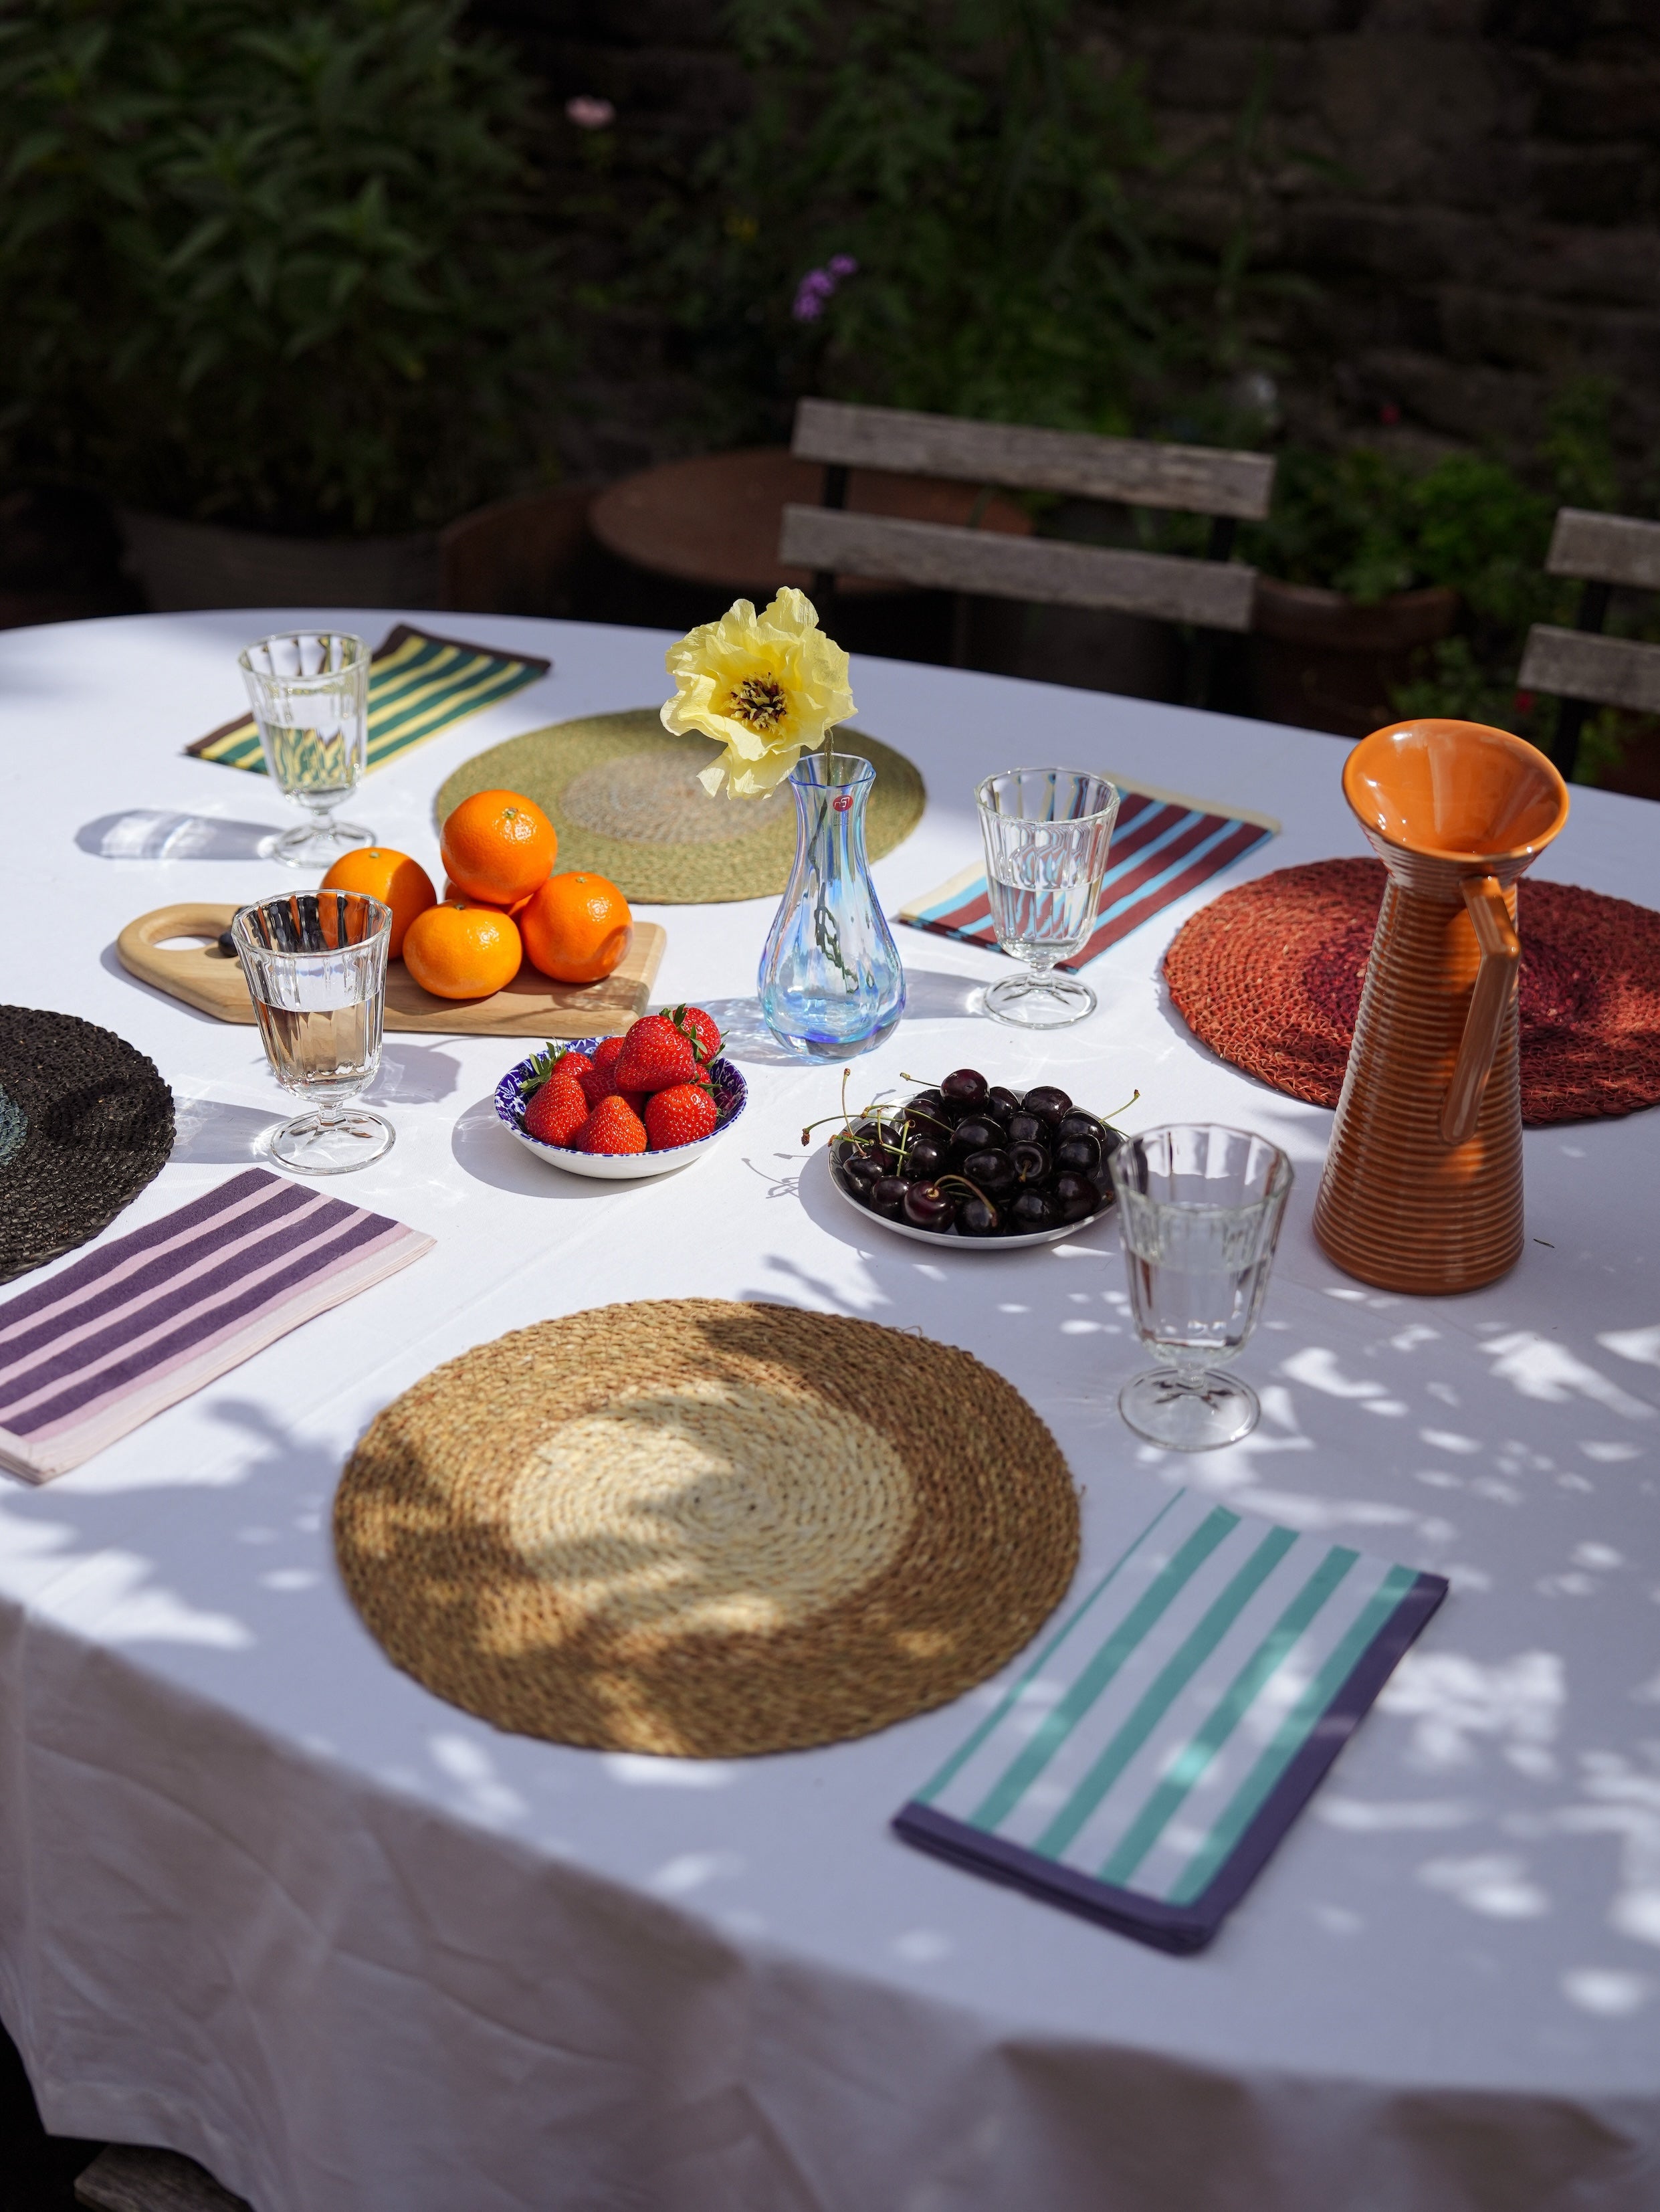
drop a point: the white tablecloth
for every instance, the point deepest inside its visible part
(263, 1899)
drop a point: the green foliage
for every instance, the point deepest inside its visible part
(985, 174)
(1361, 523)
(269, 266)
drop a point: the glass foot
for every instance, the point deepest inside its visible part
(1039, 1002)
(1194, 1410)
(311, 1145)
(319, 844)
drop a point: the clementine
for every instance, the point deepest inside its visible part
(392, 878)
(576, 929)
(458, 949)
(498, 846)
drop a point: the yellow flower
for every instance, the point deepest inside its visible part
(768, 686)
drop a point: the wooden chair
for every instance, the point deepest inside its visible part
(125, 2178)
(1215, 593)
(1581, 666)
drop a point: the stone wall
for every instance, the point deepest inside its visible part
(1472, 184)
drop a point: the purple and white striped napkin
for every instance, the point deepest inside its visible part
(144, 1321)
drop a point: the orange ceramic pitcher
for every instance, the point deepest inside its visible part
(1422, 1190)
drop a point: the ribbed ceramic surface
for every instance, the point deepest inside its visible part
(1397, 1205)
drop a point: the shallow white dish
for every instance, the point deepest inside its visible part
(950, 1238)
(731, 1096)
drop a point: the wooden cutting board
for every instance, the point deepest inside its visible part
(531, 1005)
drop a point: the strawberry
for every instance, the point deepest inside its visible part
(703, 1027)
(607, 1049)
(679, 1115)
(655, 1053)
(613, 1127)
(557, 1110)
(553, 1059)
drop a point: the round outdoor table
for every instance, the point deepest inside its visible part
(715, 520)
(265, 1900)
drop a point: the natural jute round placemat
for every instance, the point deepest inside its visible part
(85, 1122)
(623, 793)
(1269, 976)
(704, 1529)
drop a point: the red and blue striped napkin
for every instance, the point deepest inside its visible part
(145, 1321)
(1163, 844)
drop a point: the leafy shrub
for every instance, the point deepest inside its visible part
(271, 267)
(984, 175)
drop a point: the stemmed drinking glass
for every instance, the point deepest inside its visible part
(316, 969)
(309, 692)
(1199, 1212)
(1047, 831)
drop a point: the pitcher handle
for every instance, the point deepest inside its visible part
(1495, 979)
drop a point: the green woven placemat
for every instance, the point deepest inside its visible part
(623, 793)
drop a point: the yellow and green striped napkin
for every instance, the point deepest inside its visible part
(1148, 1760)
(419, 685)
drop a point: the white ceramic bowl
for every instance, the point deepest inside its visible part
(731, 1096)
(952, 1239)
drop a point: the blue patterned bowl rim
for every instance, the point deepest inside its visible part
(730, 1095)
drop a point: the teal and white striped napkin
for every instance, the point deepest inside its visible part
(1151, 1758)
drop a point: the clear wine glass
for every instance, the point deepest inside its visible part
(316, 968)
(1198, 1214)
(309, 693)
(1047, 832)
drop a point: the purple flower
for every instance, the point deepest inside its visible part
(588, 114)
(843, 264)
(809, 305)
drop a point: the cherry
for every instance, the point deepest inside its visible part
(991, 1171)
(999, 1104)
(1030, 1210)
(927, 1206)
(1026, 1129)
(1031, 1163)
(977, 1218)
(1048, 1103)
(924, 1157)
(1079, 1123)
(861, 1170)
(965, 1086)
(1075, 1196)
(927, 1102)
(1082, 1154)
(974, 1135)
(887, 1196)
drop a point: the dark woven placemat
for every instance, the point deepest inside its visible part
(1269, 977)
(705, 1530)
(85, 1122)
(623, 793)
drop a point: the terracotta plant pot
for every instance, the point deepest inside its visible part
(1325, 662)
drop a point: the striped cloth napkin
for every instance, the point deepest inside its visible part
(1163, 844)
(1151, 1757)
(144, 1321)
(419, 685)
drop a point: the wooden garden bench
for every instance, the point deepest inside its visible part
(1581, 666)
(1215, 594)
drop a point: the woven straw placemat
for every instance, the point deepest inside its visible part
(623, 793)
(85, 1122)
(1269, 977)
(705, 1530)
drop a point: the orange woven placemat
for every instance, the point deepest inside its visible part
(1269, 977)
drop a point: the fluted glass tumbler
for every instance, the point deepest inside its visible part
(1198, 1214)
(1047, 832)
(830, 981)
(316, 968)
(309, 693)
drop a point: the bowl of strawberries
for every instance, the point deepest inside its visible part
(620, 1108)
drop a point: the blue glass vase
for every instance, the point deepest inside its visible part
(830, 981)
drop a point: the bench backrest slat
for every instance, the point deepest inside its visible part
(1195, 479)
